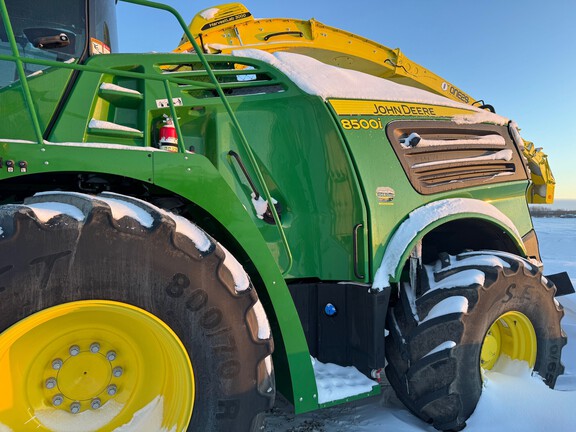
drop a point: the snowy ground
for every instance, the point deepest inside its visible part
(512, 400)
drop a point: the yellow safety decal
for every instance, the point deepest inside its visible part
(379, 108)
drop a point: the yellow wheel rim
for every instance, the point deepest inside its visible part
(92, 366)
(511, 334)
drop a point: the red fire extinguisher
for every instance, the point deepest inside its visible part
(168, 137)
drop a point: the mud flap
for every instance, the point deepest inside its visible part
(563, 283)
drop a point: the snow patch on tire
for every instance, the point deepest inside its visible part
(463, 278)
(477, 260)
(121, 208)
(48, 210)
(241, 281)
(187, 228)
(443, 346)
(456, 304)
(264, 331)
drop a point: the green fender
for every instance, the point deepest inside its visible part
(427, 218)
(194, 178)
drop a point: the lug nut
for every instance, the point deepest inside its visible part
(117, 371)
(111, 355)
(50, 383)
(56, 364)
(95, 404)
(75, 408)
(74, 350)
(95, 347)
(111, 390)
(57, 400)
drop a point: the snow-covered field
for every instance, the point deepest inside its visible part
(512, 400)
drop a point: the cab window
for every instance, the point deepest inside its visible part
(43, 29)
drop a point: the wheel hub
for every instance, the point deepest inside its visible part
(513, 335)
(94, 362)
(490, 349)
(86, 379)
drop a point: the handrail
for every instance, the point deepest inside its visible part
(233, 119)
(100, 69)
(166, 79)
(21, 73)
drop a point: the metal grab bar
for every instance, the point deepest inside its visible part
(233, 119)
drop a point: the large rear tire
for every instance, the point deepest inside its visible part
(115, 313)
(471, 310)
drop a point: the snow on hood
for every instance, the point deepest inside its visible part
(210, 13)
(320, 79)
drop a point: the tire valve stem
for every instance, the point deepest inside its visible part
(75, 408)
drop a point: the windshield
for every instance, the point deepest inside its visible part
(47, 29)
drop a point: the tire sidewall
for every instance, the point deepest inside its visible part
(517, 291)
(159, 271)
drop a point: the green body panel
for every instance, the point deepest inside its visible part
(46, 89)
(55, 158)
(308, 171)
(325, 178)
(75, 146)
(307, 167)
(16, 121)
(47, 93)
(375, 159)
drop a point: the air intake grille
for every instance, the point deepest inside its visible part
(442, 156)
(235, 78)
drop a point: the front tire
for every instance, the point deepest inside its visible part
(84, 276)
(471, 310)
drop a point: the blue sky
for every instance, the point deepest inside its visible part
(518, 55)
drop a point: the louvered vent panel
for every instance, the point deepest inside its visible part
(235, 78)
(441, 156)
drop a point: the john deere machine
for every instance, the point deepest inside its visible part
(182, 235)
